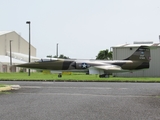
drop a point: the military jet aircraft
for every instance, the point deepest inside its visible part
(138, 60)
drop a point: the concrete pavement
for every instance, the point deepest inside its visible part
(81, 101)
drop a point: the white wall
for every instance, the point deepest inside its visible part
(18, 44)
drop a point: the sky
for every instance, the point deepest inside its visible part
(81, 27)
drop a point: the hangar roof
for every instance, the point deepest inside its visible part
(136, 45)
(22, 57)
(6, 59)
(4, 32)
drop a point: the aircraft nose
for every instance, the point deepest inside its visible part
(25, 65)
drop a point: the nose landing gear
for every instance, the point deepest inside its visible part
(104, 76)
(60, 75)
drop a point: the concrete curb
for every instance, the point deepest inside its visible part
(15, 87)
(6, 88)
(9, 87)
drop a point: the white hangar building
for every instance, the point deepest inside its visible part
(19, 50)
(124, 51)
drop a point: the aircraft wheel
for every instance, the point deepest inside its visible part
(100, 76)
(59, 75)
(104, 76)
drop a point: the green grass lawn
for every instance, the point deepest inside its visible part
(2, 85)
(73, 77)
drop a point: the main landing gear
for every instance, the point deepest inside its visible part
(104, 76)
(60, 75)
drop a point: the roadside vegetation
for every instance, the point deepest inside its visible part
(2, 85)
(40, 76)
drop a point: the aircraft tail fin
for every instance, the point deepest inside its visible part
(141, 54)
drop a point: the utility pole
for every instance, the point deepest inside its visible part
(57, 50)
(10, 55)
(28, 22)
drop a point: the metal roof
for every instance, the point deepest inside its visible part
(135, 45)
(6, 59)
(22, 57)
(4, 32)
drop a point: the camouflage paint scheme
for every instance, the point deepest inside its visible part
(138, 60)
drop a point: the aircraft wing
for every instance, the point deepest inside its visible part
(109, 67)
(105, 69)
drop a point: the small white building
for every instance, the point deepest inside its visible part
(125, 50)
(19, 51)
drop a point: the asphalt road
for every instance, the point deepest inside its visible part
(81, 101)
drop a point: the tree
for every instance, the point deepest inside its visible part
(55, 56)
(49, 56)
(104, 55)
(62, 56)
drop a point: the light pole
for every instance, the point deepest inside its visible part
(28, 22)
(10, 55)
(57, 50)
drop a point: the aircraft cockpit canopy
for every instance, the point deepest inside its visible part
(46, 59)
